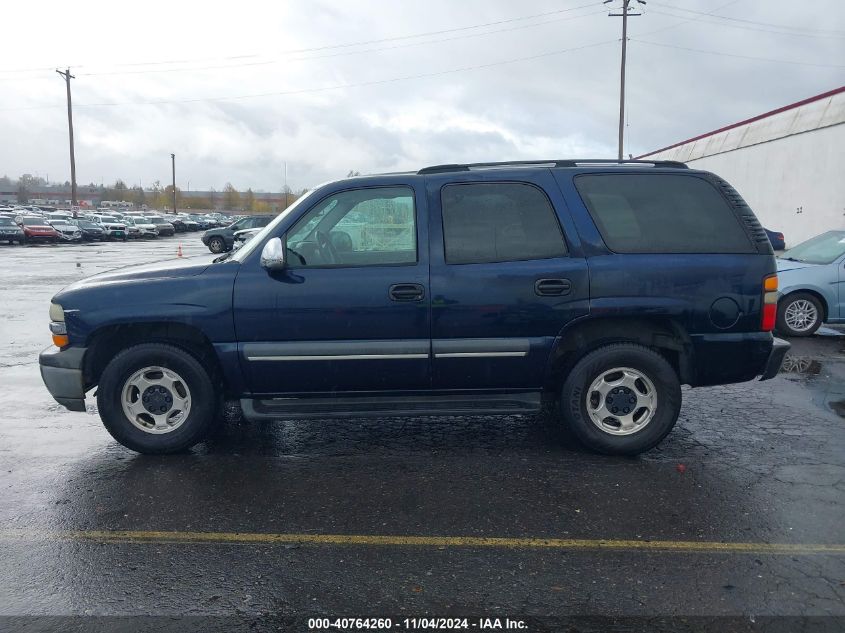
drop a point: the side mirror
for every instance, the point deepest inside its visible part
(273, 255)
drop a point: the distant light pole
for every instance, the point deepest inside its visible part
(173, 165)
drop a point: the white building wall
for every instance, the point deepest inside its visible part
(789, 167)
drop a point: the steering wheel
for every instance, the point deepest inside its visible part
(327, 249)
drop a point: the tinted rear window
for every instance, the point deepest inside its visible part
(499, 222)
(661, 213)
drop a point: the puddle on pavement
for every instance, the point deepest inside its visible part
(800, 365)
(827, 391)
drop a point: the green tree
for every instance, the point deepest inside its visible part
(249, 200)
(231, 197)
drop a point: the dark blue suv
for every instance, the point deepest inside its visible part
(594, 287)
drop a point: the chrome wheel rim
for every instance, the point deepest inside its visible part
(156, 400)
(621, 401)
(801, 315)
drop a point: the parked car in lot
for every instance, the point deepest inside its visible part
(201, 222)
(178, 224)
(113, 228)
(593, 288)
(812, 284)
(220, 240)
(163, 227)
(190, 225)
(90, 231)
(10, 232)
(776, 239)
(37, 229)
(67, 232)
(143, 227)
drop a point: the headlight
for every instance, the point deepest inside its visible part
(57, 313)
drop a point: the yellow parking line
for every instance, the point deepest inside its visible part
(243, 538)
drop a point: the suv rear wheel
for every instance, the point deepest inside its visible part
(156, 398)
(621, 399)
(799, 314)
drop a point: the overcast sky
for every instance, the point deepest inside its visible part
(235, 89)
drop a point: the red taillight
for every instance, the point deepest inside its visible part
(770, 303)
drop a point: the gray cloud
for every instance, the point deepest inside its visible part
(553, 106)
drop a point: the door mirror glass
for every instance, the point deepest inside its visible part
(273, 255)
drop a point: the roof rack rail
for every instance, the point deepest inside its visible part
(590, 162)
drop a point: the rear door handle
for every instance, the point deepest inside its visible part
(552, 287)
(406, 292)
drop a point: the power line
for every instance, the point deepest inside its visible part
(345, 53)
(748, 28)
(327, 88)
(755, 22)
(348, 44)
(722, 53)
(330, 55)
(689, 19)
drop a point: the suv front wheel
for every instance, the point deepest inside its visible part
(621, 399)
(156, 398)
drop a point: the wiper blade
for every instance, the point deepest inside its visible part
(791, 259)
(223, 257)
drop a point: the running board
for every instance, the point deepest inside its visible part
(389, 406)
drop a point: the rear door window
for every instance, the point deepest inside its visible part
(499, 222)
(662, 213)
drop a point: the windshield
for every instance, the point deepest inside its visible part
(107, 218)
(33, 222)
(158, 221)
(86, 224)
(822, 249)
(259, 237)
(6, 222)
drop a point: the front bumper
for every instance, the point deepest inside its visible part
(779, 350)
(61, 371)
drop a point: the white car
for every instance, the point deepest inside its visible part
(67, 231)
(143, 225)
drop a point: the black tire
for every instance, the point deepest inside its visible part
(784, 328)
(205, 399)
(217, 245)
(573, 402)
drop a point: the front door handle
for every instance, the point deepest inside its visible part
(406, 292)
(552, 287)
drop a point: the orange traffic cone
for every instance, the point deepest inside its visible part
(179, 250)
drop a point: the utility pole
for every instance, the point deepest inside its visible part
(67, 77)
(626, 13)
(173, 164)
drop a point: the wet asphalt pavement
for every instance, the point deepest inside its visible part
(755, 464)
